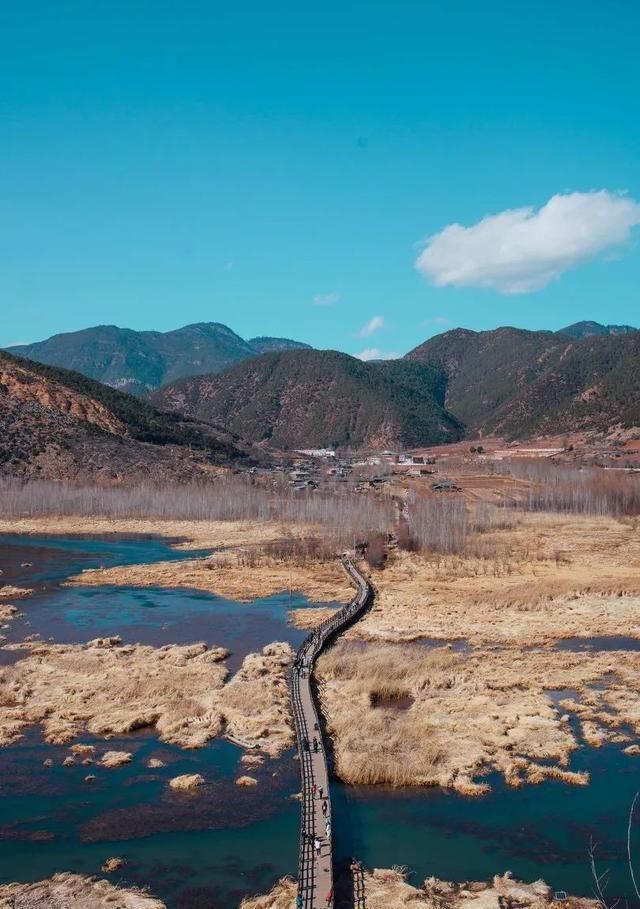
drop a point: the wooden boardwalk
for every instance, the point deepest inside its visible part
(315, 866)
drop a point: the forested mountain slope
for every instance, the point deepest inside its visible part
(310, 398)
(140, 361)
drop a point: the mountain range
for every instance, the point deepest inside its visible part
(508, 382)
(56, 424)
(140, 361)
(279, 393)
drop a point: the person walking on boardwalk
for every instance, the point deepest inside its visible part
(315, 744)
(315, 789)
(327, 828)
(317, 844)
(330, 897)
(320, 790)
(325, 808)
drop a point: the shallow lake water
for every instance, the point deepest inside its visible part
(207, 850)
(536, 831)
(32, 560)
(144, 615)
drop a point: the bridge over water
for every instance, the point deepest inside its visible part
(315, 865)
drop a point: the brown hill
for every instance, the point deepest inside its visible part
(520, 383)
(56, 424)
(312, 398)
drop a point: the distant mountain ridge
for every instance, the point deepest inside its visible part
(587, 329)
(273, 345)
(140, 361)
(59, 425)
(278, 392)
(317, 398)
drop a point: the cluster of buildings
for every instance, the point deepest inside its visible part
(311, 469)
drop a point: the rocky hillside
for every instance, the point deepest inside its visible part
(140, 361)
(57, 424)
(311, 398)
(520, 383)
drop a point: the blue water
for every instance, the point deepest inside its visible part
(537, 831)
(207, 848)
(158, 616)
(211, 849)
(145, 615)
(55, 558)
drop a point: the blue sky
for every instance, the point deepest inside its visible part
(279, 166)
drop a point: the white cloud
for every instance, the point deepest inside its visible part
(329, 299)
(374, 353)
(521, 249)
(436, 320)
(374, 324)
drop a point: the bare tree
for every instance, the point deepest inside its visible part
(339, 515)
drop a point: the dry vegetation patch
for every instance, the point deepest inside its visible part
(410, 715)
(8, 611)
(204, 533)
(388, 888)
(548, 578)
(74, 891)
(111, 689)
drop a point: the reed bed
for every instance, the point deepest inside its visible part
(401, 747)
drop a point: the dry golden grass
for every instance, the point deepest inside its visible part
(309, 617)
(320, 581)
(548, 578)
(388, 888)
(238, 570)
(63, 891)
(203, 533)
(179, 691)
(488, 710)
(281, 897)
